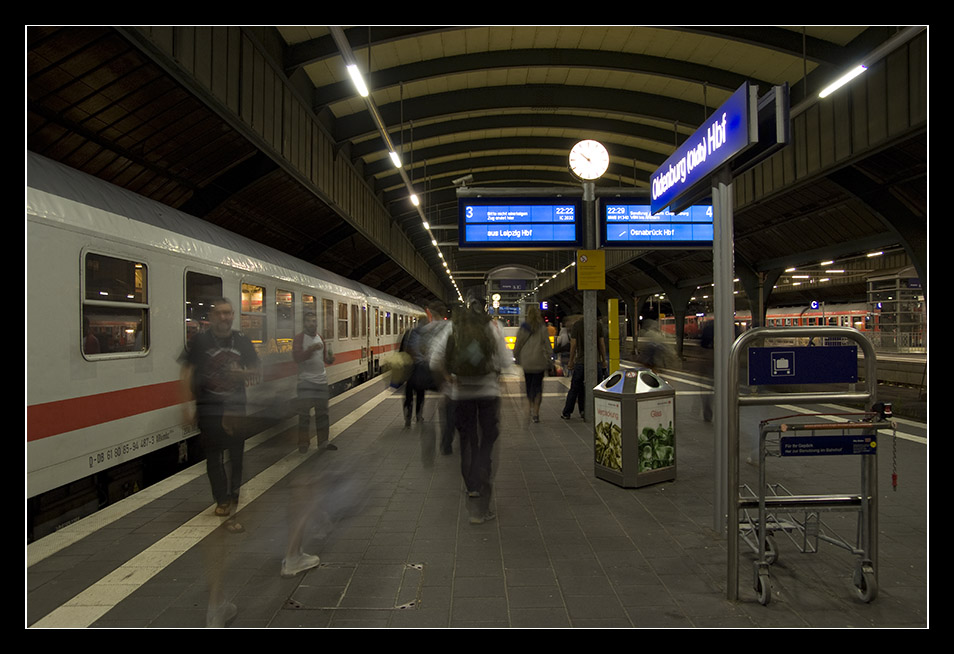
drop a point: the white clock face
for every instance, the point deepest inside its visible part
(589, 159)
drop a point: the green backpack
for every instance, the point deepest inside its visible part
(470, 347)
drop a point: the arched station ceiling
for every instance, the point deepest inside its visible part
(503, 104)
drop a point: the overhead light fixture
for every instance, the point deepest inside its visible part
(841, 81)
(395, 158)
(416, 201)
(358, 80)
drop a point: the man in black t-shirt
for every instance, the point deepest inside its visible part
(577, 393)
(216, 365)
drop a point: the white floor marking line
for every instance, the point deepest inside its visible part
(94, 602)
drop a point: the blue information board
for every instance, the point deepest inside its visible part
(520, 223)
(635, 226)
(828, 445)
(803, 365)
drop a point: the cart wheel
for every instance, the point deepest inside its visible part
(771, 551)
(762, 588)
(865, 585)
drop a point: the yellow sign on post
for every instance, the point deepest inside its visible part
(590, 270)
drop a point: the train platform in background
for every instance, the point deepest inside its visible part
(566, 550)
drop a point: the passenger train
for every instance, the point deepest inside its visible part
(116, 284)
(854, 315)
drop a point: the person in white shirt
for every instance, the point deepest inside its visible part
(311, 354)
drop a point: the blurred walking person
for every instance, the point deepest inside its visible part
(534, 354)
(311, 354)
(470, 356)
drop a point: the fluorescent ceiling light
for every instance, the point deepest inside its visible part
(395, 158)
(841, 81)
(358, 80)
(416, 201)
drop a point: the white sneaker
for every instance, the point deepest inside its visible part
(291, 567)
(481, 519)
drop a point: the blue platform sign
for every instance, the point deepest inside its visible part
(520, 223)
(728, 131)
(803, 365)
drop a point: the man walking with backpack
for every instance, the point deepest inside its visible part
(470, 356)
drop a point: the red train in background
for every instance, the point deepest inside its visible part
(854, 315)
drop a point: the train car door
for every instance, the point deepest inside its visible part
(365, 340)
(374, 338)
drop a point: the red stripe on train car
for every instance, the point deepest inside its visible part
(61, 416)
(53, 418)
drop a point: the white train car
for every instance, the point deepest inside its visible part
(116, 284)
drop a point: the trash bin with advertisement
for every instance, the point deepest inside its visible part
(634, 431)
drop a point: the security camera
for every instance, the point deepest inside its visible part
(463, 181)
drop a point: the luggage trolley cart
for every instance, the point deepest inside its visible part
(760, 513)
(773, 508)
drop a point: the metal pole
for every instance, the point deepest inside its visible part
(589, 300)
(724, 335)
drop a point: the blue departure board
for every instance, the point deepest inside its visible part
(635, 226)
(520, 223)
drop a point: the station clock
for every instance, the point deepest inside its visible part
(589, 159)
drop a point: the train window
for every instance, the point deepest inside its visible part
(364, 320)
(387, 322)
(115, 306)
(285, 321)
(199, 291)
(253, 322)
(355, 324)
(309, 303)
(327, 318)
(342, 320)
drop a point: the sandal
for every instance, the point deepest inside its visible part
(234, 527)
(223, 510)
